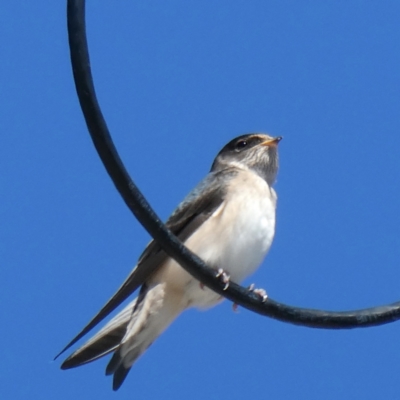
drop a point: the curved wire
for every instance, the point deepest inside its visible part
(152, 223)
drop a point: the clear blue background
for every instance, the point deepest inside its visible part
(177, 80)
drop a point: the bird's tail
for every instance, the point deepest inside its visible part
(129, 333)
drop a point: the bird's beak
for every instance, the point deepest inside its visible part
(272, 143)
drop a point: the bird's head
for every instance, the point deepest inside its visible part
(254, 151)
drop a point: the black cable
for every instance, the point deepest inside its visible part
(150, 221)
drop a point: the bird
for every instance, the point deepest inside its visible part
(228, 220)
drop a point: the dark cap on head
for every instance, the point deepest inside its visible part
(255, 151)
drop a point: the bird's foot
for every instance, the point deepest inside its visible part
(223, 277)
(261, 292)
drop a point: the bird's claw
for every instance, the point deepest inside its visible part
(260, 292)
(223, 277)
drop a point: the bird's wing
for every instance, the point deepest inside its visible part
(196, 208)
(104, 341)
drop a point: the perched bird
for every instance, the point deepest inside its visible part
(228, 220)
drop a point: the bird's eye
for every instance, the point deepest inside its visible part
(240, 145)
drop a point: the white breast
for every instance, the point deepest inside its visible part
(238, 235)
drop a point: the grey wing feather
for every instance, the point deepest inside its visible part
(104, 341)
(191, 213)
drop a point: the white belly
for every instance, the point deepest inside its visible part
(236, 237)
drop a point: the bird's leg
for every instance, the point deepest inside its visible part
(223, 277)
(261, 292)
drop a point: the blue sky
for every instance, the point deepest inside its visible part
(176, 81)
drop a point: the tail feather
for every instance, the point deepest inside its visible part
(144, 327)
(104, 342)
(119, 376)
(154, 312)
(130, 332)
(114, 363)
